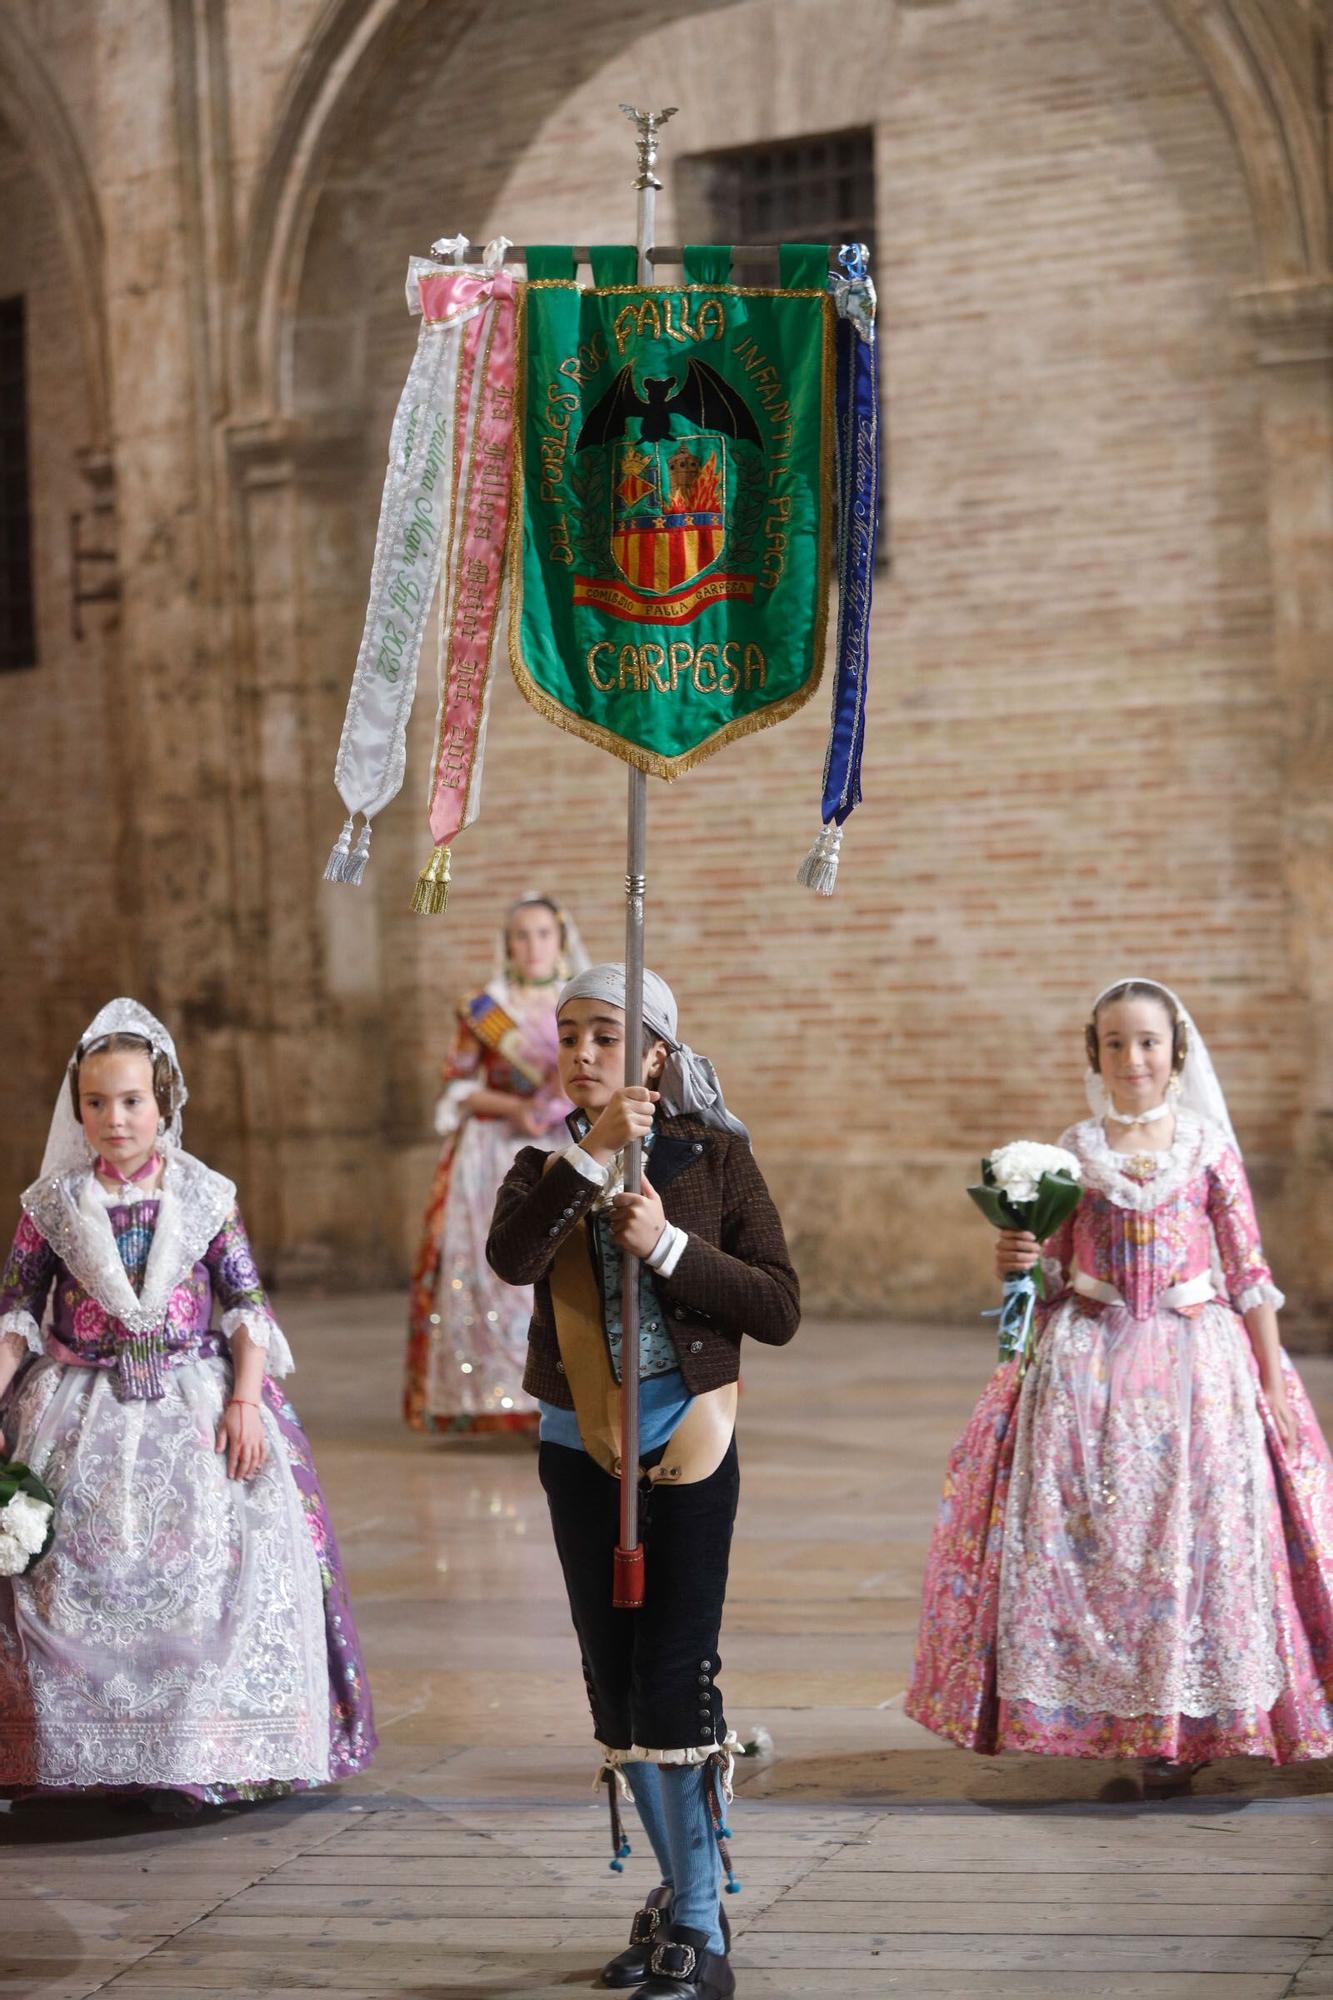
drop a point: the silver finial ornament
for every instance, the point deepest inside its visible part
(648, 123)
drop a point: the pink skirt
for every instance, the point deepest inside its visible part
(1126, 1561)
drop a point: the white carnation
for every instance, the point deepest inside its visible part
(14, 1557)
(1019, 1166)
(27, 1521)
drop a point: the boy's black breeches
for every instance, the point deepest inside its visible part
(650, 1673)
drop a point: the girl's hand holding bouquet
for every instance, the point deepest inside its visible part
(1027, 1191)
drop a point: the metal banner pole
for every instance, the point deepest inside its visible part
(628, 1580)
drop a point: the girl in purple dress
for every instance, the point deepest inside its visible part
(1134, 1555)
(189, 1631)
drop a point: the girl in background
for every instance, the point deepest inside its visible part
(467, 1334)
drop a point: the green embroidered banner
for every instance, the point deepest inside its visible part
(669, 563)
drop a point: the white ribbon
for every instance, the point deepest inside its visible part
(414, 512)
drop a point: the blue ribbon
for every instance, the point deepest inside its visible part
(856, 473)
(1018, 1303)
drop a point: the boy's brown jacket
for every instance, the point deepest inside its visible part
(734, 1277)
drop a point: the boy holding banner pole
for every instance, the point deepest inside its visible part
(710, 1264)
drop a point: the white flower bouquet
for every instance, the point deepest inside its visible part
(1025, 1185)
(27, 1518)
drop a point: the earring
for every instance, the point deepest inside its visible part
(1174, 1088)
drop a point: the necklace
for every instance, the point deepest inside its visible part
(1138, 1117)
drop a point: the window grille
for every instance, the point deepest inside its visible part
(816, 189)
(819, 188)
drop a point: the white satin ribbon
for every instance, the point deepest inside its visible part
(1192, 1292)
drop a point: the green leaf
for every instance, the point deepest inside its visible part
(996, 1207)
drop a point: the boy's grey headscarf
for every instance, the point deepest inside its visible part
(688, 1082)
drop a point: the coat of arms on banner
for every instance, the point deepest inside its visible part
(669, 564)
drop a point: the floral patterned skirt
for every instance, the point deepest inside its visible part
(1127, 1562)
(185, 1631)
(467, 1331)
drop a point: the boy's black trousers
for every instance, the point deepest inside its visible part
(651, 1672)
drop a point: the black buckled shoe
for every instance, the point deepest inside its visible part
(681, 1967)
(630, 1967)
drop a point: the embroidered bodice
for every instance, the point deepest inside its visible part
(132, 1280)
(1148, 1222)
(472, 1066)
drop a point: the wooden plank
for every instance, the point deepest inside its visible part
(892, 1917)
(531, 1984)
(832, 1952)
(828, 1884)
(498, 1871)
(1045, 1847)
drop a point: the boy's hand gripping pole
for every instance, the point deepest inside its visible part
(628, 1579)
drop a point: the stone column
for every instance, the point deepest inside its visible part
(1293, 325)
(316, 1050)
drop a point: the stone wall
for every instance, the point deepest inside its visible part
(71, 745)
(1091, 744)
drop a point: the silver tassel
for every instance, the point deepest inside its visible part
(335, 868)
(355, 866)
(819, 870)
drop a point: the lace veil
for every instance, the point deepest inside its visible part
(1200, 1090)
(66, 1146)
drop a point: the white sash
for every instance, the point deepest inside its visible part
(1192, 1292)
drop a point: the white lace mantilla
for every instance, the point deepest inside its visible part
(195, 1202)
(1197, 1145)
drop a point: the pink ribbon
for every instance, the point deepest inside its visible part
(483, 476)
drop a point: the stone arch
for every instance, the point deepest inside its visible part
(350, 42)
(353, 42)
(34, 111)
(1262, 61)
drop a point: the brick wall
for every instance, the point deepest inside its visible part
(1072, 766)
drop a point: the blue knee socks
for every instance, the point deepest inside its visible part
(642, 1781)
(695, 1865)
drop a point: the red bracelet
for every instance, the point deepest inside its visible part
(245, 1402)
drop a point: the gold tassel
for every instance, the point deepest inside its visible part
(430, 898)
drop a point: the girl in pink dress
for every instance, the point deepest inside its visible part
(467, 1333)
(1134, 1553)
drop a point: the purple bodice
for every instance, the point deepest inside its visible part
(84, 1332)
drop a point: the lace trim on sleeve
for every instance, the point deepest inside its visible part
(1262, 1294)
(449, 1109)
(26, 1327)
(264, 1332)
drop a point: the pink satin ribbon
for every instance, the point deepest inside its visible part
(110, 1172)
(482, 492)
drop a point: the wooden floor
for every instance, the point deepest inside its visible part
(472, 1860)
